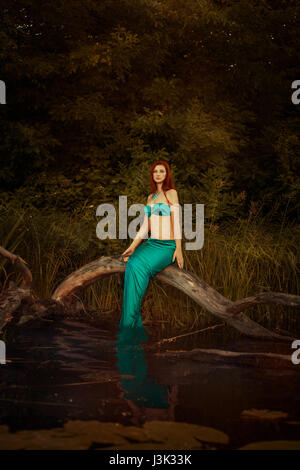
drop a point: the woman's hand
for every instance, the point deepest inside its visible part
(178, 256)
(128, 252)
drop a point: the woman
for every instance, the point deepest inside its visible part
(160, 250)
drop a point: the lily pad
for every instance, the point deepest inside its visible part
(4, 429)
(270, 415)
(183, 434)
(74, 435)
(94, 434)
(272, 445)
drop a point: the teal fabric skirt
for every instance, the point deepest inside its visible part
(147, 260)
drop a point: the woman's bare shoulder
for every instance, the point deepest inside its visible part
(171, 191)
(149, 197)
(172, 195)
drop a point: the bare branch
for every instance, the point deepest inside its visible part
(20, 265)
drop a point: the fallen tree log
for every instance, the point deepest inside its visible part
(254, 359)
(13, 297)
(197, 289)
(10, 301)
(66, 296)
(20, 265)
(18, 303)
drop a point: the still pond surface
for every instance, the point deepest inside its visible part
(82, 378)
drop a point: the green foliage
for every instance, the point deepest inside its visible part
(287, 148)
(217, 194)
(98, 90)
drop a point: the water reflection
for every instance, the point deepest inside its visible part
(136, 384)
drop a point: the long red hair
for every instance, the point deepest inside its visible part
(167, 184)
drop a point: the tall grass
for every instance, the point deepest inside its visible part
(238, 259)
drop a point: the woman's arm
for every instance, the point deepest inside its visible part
(142, 232)
(175, 214)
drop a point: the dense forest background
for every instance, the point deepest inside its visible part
(99, 90)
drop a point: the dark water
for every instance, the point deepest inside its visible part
(76, 371)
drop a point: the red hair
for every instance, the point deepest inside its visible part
(167, 184)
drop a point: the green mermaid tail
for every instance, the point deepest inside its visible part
(136, 383)
(147, 260)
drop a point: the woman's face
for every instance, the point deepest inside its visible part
(159, 174)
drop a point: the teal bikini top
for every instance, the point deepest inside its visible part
(160, 208)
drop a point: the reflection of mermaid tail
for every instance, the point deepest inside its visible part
(131, 362)
(147, 260)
